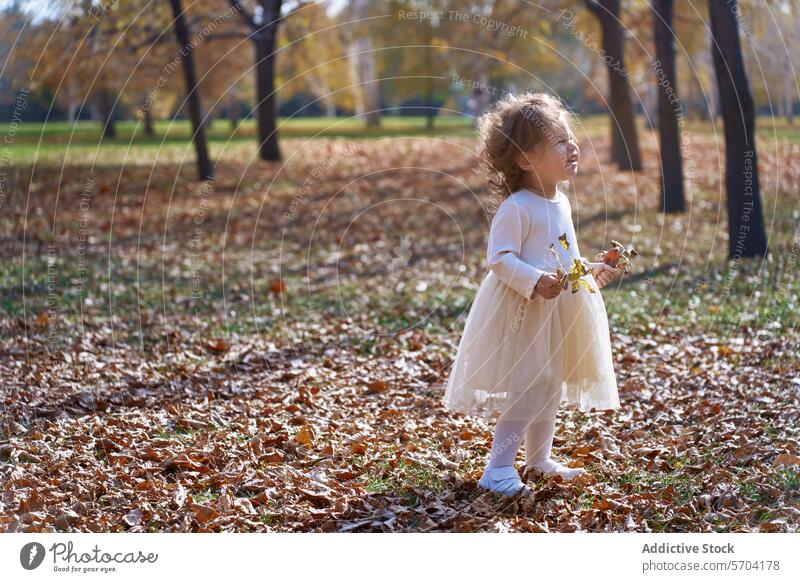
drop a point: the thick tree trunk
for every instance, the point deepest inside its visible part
(204, 169)
(264, 26)
(747, 237)
(669, 107)
(266, 108)
(624, 138)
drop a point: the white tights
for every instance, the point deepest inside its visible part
(508, 436)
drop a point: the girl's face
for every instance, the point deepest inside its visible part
(556, 158)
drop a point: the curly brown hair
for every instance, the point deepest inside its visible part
(515, 124)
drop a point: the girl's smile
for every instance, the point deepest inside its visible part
(572, 161)
(567, 148)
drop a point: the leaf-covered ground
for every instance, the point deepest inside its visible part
(268, 353)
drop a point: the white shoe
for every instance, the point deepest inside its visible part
(503, 480)
(550, 467)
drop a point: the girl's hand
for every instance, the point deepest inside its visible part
(547, 286)
(602, 272)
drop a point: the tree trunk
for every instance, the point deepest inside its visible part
(72, 102)
(72, 112)
(265, 95)
(624, 138)
(429, 103)
(204, 169)
(357, 89)
(649, 99)
(234, 108)
(365, 82)
(669, 107)
(363, 72)
(149, 130)
(747, 237)
(328, 103)
(372, 87)
(106, 106)
(264, 25)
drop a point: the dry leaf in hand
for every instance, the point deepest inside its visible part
(575, 274)
(618, 256)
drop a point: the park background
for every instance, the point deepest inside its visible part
(240, 241)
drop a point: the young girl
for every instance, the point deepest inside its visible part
(527, 345)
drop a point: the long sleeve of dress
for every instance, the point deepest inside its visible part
(509, 228)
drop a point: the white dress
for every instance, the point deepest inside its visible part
(520, 356)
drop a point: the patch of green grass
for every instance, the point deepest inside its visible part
(586, 500)
(185, 431)
(270, 517)
(631, 477)
(683, 484)
(763, 515)
(206, 494)
(788, 480)
(658, 521)
(56, 142)
(400, 480)
(177, 432)
(752, 491)
(22, 459)
(676, 463)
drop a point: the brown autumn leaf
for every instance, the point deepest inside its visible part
(218, 345)
(358, 447)
(377, 386)
(272, 457)
(316, 499)
(786, 459)
(466, 435)
(305, 435)
(203, 513)
(32, 503)
(182, 462)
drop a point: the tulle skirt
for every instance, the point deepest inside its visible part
(522, 358)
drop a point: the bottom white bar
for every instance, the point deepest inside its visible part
(365, 556)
